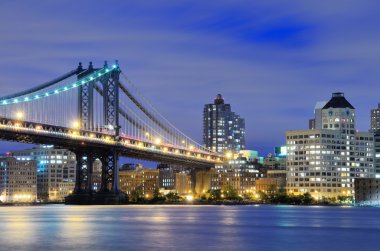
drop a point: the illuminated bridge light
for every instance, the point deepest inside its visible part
(75, 124)
(26, 99)
(65, 88)
(15, 100)
(91, 78)
(5, 102)
(56, 91)
(74, 85)
(46, 94)
(19, 115)
(36, 97)
(83, 81)
(114, 66)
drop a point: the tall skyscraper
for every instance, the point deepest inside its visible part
(223, 130)
(325, 161)
(375, 118)
(375, 127)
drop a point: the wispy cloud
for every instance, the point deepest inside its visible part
(271, 60)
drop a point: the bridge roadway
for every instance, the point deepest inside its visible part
(73, 139)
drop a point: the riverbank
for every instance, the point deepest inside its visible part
(214, 203)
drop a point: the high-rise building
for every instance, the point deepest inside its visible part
(18, 180)
(223, 130)
(316, 122)
(377, 153)
(375, 127)
(375, 118)
(55, 171)
(326, 161)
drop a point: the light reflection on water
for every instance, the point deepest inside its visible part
(188, 228)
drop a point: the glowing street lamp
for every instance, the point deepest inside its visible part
(189, 198)
(229, 155)
(75, 124)
(19, 115)
(157, 141)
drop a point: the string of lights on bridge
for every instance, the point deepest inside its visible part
(148, 136)
(76, 84)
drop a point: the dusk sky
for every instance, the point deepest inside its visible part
(271, 60)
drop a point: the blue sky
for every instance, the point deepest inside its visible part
(271, 60)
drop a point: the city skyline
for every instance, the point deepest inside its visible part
(250, 53)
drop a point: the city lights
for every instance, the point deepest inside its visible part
(19, 115)
(157, 141)
(228, 155)
(189, 198)
(75, 124)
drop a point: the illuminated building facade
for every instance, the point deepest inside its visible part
(268, 185)
(55, 171)
(203, 180)
(223, 130)
(183, 183)
(375, 118)
(367, 191)
(325, 162)
(96, 175)
(239, 173)
(175, 178)
(375, 127)
(18, 180)
(143, 180)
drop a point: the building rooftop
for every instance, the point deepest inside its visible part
(338, 101)
(219, 100)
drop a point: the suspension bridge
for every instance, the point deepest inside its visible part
(98, 113)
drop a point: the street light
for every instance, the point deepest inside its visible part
(229, 155)
(19, 115)
(75, 124)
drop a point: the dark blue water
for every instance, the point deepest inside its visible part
(189, 228)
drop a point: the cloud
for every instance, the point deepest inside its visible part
(271, 60)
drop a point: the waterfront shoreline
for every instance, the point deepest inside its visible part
(194, 203)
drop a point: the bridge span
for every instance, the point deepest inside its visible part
(94, 114)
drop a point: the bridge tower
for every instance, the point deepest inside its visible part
(109, 192)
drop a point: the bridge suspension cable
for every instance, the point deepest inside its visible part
(180, 137)
(56, 103)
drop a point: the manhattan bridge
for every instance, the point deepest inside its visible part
(98, 113)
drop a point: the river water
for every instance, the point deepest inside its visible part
(153, 227)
